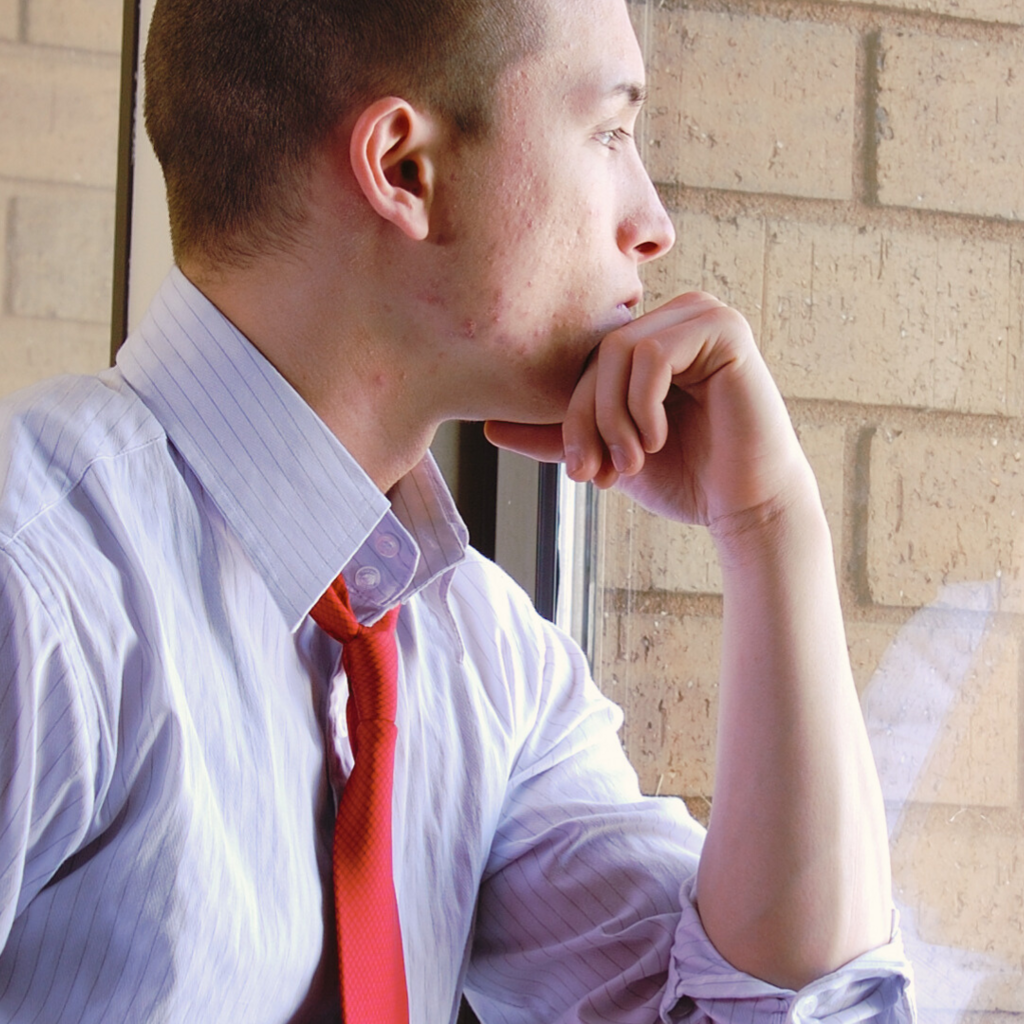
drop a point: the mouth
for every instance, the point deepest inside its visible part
(629, 306)
(626, 311)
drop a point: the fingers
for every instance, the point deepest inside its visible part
(542, 442)
(609, 430)
(649, 384)
(586, 456)
(617, 416)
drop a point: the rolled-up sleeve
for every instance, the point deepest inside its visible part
(877, 986)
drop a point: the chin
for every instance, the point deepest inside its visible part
(550, 392)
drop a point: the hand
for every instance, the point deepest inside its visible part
(678, 409)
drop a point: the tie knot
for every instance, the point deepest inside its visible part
(369, 653)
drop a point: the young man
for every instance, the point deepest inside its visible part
(387, 215)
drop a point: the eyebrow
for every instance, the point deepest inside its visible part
(636, 93)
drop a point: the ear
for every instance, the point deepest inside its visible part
(391, 154)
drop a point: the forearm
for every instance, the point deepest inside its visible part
(794, 879)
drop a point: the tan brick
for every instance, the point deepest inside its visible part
(942, 711)
(83, 24)
(646, 552)
(1005, 11)
(754, 104)
(893, 317)
(35, 349)
(58, 115)
(663, 670)
(951, 125)
(961, 874)
(724, 256)
(944, 511)
(60, 256)
(642, 551)
(10, 19)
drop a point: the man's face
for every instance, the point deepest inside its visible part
(542, 227)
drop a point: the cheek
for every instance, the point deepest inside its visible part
(530, 255)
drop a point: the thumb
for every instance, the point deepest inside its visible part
(542, 442)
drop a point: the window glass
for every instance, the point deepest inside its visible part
(851, 177)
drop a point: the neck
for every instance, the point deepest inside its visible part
(314, 329)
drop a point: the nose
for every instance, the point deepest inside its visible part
(647, 231)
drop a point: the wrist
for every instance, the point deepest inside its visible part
(791, 524)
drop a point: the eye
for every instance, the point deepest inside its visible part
(613, 137)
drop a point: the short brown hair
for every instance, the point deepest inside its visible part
(239, 93)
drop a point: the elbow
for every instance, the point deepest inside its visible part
(792, 946)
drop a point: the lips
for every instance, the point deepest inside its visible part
(629, 306)
(624, 312)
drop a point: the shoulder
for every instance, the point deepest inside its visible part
(477, 578)
(496, 619)
(485, 598)
(53, 433)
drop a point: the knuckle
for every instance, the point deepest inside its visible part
(649, 349)
(618, 342)
(694, 298)
(733, 316)
(735, 324)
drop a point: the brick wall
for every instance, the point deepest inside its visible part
(851, 177)
(59, 82)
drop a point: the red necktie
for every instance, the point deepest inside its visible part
(369, 938)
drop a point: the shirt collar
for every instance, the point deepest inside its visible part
(299, 503)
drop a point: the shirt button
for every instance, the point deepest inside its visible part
(367, 577)
(387, 545)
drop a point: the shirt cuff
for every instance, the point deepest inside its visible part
(877, 986)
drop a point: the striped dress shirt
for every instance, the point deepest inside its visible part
(172, 732)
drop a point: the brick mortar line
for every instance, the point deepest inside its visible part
(854, 577)
(1014, 313)
(858, 17)
(762, 336)
(866, 119)
(1020, 739)
(622, 601)
(643, 129)
(1006, 820)
(727, 203)
(95, 58)
(688, 605)
(1002, 623)
(9, 182)
(938, 422)
(7, 316)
